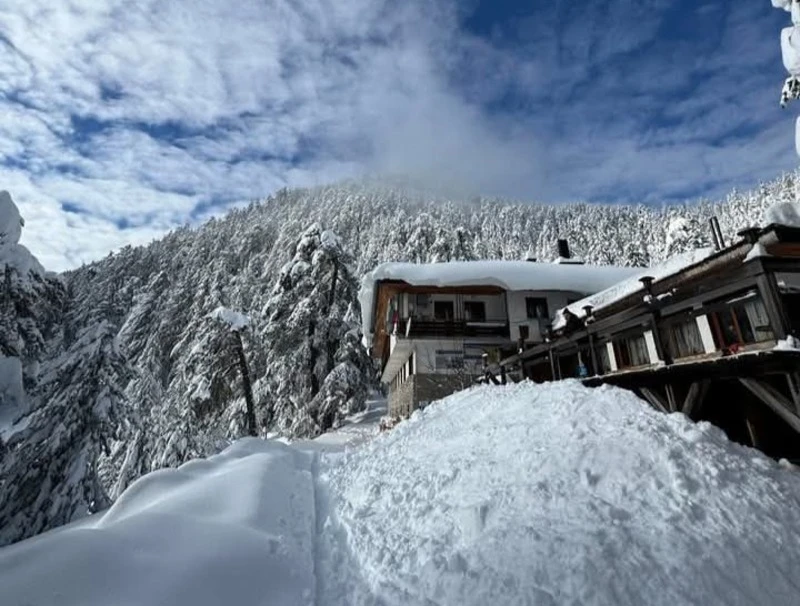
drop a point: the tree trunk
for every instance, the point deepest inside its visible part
(252, 430)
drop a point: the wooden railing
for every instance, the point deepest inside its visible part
(416, 328)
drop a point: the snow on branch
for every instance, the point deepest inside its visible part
(235, 320)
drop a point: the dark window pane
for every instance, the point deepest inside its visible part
(536, 307)
(475, 311)
(443, 310)
(745, 328)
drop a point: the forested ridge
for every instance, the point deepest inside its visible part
(123, 369)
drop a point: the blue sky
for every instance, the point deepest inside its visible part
(120, 120)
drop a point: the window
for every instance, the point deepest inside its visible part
(475, 311)
(443, 310)
(631, 351)
(601, 353)
(449, 359)
(536, 307)
(683, 339)
(744, 321)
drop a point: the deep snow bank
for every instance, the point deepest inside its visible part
(237, 528)
(557, 494)
(551, 494)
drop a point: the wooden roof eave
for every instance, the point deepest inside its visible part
(683, 277)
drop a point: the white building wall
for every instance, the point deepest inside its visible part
(651, 346)
(425, 352)
(706, 334)
(612, 357)
(518, 313)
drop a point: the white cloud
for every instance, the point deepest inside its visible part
(141, 113)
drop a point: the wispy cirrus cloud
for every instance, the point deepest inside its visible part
(121, 120)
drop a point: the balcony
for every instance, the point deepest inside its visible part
(421, 328)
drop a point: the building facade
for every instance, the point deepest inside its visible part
(712, 335)
(434, 327)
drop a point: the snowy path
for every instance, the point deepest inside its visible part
(522, 494)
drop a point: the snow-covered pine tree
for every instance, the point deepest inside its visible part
(316, 370)
(50, 475)
(684, 234)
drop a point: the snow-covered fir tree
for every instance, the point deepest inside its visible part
(141, 318)
(50, 471)
(315, 370)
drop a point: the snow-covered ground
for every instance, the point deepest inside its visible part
(522, 494)
(356, 429)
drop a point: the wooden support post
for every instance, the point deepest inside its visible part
(654, 399)
(793, 379)
(694, 397)
(752, 433)
(672, 401)
(773, 304)
(552, 365)
(663, 354)
(503, 378)
(595, 369)
(490, 377)
(775, 400)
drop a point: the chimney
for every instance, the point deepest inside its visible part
(716, 233)
(563, 248)
(750, 234)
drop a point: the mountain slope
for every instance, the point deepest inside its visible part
(142, 319)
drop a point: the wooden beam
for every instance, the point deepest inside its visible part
(654, 399)
(490, 376)
(694, 397)
(672, 400)
(793, 378)
(773, 304)
(774, 399)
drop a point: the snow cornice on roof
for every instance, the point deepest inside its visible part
(508, 275)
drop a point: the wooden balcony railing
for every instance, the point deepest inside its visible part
(415, 328)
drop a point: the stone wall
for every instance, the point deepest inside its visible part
(419, 390)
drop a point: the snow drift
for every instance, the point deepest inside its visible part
(524, 494)
(237, 528)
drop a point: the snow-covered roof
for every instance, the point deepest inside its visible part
(509, 275)
(632, 284)
(783, 213)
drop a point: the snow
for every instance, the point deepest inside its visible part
(783, 213)
(632, 284)
(521, 494)
(12, 393)
(238, 528)
(509, 275)
(11, 251)
(790, 49)
(757, 251)
(797, 135)
(356, 429)
(234, 319)
(790, 343)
